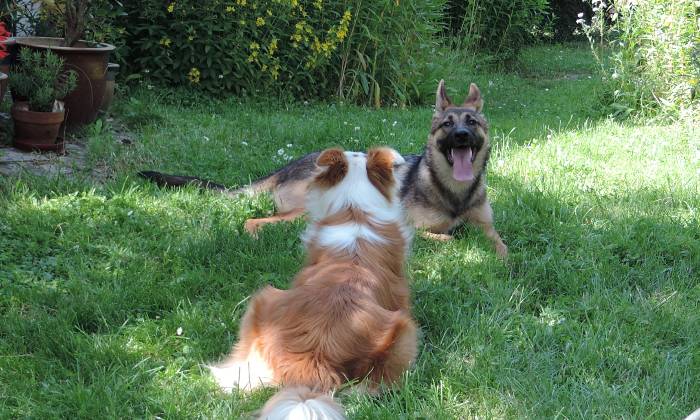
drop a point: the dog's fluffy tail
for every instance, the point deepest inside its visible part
(167, 180)
(303, 404)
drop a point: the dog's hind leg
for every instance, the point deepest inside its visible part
(482, 216)
(253, 225)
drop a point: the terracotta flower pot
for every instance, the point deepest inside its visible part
(38, 130)
(89, 60)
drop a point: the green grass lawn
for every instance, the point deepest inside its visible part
(596, 313)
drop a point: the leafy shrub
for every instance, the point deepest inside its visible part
(40, 78)
(655, 53)
(496, 28)
(369, 52)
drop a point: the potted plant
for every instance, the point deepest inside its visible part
(40, 77)
(88, 59)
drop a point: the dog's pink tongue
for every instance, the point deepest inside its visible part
(462, 166)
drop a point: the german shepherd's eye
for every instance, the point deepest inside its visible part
(447, 124)
(471, 121)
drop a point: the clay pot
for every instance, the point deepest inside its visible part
(38, 131)
(89, 61)
(112, 71)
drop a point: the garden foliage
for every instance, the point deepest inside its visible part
(655, 54)
(372, 52)
(496, 29)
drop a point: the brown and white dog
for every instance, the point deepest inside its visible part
(347, 315)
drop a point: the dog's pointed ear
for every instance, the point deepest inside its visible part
(442, 101)
(380, 168)
(333, 165)
(474, 99)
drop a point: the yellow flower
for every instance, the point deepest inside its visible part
(190, 38)
(241, 2)
(272, 47)
(269, 12)
(254, 46)
(193, 75)
(230, 9)
(264, 67)
(318, 4)
(342, 31)
(165, 42)
(294, 3)
(259, 21)
(275, 72)
(171, 7)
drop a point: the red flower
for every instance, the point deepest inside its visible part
(4, 34)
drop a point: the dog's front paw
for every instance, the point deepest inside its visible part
(252, 226)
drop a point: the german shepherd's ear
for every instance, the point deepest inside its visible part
(474, 99)
(333, 165)
(442, 101)
(380, 168)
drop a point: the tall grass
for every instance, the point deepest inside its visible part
(495, 29)
(654, 65)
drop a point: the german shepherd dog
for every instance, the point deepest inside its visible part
(441, 188)
(347, 315)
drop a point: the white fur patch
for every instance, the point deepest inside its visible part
(288, 405)
(245, 375)
(341, 237)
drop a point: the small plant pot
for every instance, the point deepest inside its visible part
(38, 131)
(112, 71)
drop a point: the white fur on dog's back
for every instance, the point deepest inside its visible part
(301, 403)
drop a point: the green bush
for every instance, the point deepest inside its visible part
(372, 52)
(39, 77)
(496, 28)
(654, 64)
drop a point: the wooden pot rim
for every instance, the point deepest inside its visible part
(20, 112)
(55, 44)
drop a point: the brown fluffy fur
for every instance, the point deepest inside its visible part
(347, 314)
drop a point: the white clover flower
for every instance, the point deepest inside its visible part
(245, 143)
(289, 145)
(179, 331)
